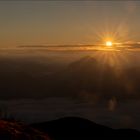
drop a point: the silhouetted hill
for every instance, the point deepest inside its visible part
(79, 128)
(33, 79)
(88, 75)
(70, 128)
(24, 78)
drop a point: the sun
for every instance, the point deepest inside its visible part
(109, 43)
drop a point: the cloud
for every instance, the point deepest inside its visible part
(112, 104)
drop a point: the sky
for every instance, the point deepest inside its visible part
(68, 22)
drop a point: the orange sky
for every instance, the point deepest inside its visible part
(65, 22)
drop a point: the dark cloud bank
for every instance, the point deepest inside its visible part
(44, 85)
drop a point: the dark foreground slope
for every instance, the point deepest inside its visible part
(12, 130)
(79, 128)
(69, 128)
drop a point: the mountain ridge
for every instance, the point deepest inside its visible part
(76, 127)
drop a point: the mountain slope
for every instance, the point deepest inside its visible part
(12, 130)
(74, 127)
